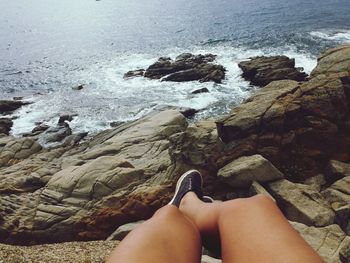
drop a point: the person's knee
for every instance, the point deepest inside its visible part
(244, 205)
(167, 211)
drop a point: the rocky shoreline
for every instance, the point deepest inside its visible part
(290, 140)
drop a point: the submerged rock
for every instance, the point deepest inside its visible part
(202, 90)
(79, 87)
(8, 106)
(263, 70)
(5, 125)
(134, 73)
(186, 67)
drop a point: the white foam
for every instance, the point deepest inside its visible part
(342, 36)
(108, 97)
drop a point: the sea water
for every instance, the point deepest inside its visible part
(49, 46)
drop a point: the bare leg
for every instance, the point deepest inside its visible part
(167, 237)
(251, 230)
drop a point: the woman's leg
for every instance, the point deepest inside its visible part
(251, 230)
(167, 237)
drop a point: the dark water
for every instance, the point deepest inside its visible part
(48, 46)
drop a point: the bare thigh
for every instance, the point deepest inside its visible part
(254, 230)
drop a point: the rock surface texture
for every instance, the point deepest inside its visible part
(260, 71)
(290, 140)
(186, 67)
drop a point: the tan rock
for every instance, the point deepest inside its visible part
(86, 191)
(244, 170)
(334, 62)
(302, 203)
(330, 242)
(338, 195)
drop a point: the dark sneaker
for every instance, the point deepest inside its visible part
(190, 181)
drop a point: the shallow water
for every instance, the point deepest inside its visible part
(47, 47)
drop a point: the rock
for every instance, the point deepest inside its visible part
(5, 125)
(317, 182)
(188, 112)
(134, 73)
(287, 121)
(18, 149)
(17, 98)
(55, 134)
(333, 63)
(202, 72)
(123, 230)
(338, 195)
(40, 128)
(337, 170)
(79, 87)
(67, 117)
(8, 106)
(186, 67)
(257, 188)
(330, 242)
(202, 90)
(263, 70)
(302, 203)
(115, 124)
(85, 191)
(244, 170)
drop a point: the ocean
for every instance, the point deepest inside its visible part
(49, 46)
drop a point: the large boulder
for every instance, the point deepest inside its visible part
(18, 149)
(302, 203)
(330, 242)
(298, 127)
(244, 170)
(260, 71)
(334, 63)
(119, 176)
(186, 67)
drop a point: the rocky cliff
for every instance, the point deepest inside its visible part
(290, 140)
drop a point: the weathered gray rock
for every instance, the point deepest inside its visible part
(330, 242)
(263, 70)
(186, 67)
(257, 188)
(333, 63)
(302, 203)
(123, 231)
(338, 195)
(85, 192)
(284, 121)
(317, 182)
(244, 170)
(337, 170)
(16, 150)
